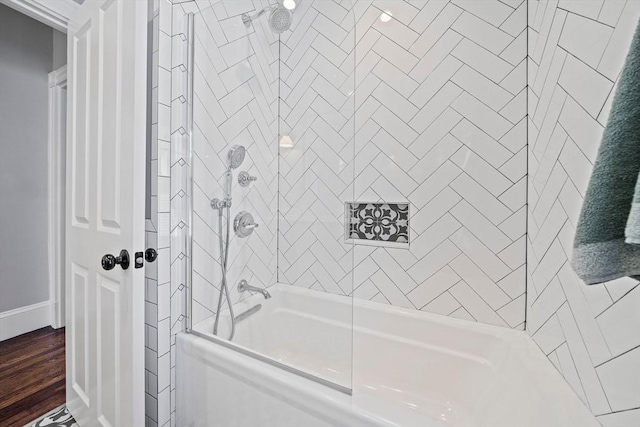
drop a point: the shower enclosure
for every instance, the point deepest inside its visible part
(412, 174)
(272, 163)
(353, 149)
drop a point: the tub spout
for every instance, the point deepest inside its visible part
(243, 285)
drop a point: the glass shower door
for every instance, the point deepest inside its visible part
(316, 151)
(269, 117)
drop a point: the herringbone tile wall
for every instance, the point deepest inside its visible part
(438, 120)
(590, 333)
(158, 325)
(426, 105)
(316, 167)
(425, 102)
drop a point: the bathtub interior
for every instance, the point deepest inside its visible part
(457, 372)
(421, 364)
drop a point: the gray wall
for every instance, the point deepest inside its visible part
(26, 58)
(59, 49)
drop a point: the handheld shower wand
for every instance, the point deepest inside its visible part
(235, 157)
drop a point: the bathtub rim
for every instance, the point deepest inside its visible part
(258, 356)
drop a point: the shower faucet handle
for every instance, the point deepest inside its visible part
(244, 179)
(243, 224)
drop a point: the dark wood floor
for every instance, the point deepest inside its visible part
(32, 376)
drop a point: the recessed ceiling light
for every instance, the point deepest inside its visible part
(289, 4)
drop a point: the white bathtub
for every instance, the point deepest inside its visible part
(409, 369)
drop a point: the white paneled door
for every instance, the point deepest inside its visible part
(107, 60)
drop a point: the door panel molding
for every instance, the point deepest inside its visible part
(79, 333)
(107, 45)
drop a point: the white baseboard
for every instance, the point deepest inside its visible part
(57, 315)
(24, 319)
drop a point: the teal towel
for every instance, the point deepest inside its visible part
(632, 231)
(600, 252)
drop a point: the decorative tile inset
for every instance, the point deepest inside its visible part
(381, 222)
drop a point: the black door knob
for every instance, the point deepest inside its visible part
(150, 255)
(109, 261)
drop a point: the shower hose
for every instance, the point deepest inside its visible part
(224, 257)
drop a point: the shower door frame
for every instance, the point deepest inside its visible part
(189, 244)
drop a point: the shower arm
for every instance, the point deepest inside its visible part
(247, 19)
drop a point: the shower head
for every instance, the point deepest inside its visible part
(235, 156)
(280, 18)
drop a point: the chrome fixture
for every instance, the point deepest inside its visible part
(243, 224)
(235, 157)
(218, 204)
(243, 285)
(245, 180)
(280, 18)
